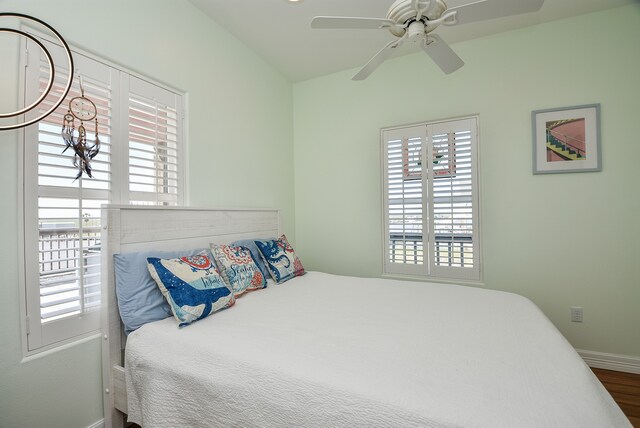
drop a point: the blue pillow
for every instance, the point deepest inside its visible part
(192, 286)
(257, 256)
(139, 298)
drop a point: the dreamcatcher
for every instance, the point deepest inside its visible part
(83, 109)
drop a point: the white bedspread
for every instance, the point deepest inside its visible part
(331, 351)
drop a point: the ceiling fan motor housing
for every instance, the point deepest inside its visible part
(402, 11)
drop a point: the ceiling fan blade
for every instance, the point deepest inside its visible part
(488, 9)
(442, 54)
(377, 59)
(345, 22)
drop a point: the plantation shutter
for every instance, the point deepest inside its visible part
(154, 116)
(140, 162)
(453, 202)
(404, 212)
(63, 214)
(430, 200)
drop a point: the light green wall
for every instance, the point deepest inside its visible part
(239, 105)
(240, 124)
(561, 239)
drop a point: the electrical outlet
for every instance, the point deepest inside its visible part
(576, 314)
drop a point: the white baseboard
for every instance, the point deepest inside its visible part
(602, 360)
(99, 424)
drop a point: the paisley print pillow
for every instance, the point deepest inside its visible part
(298, 269)
(192, 286)
(238, 268)
(251, 245)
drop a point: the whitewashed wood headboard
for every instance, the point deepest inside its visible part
(126, 229)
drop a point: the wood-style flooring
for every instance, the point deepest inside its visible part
(623, 387)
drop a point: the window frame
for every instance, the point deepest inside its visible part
(426, 270)
(119, 189)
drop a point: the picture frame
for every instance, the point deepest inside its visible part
(566, 139)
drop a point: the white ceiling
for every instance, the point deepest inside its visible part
(279, 31)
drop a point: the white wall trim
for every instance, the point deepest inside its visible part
(99, 424)
(602, 360)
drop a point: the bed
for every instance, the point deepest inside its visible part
(328, 350)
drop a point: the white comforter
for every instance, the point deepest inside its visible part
(332, 351)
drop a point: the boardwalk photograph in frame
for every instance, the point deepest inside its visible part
(566, 139)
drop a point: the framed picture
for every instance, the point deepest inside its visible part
(566, 139)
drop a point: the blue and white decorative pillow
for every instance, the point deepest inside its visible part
(238, 268)
(192, 286)
(280, 258)
(139, 298)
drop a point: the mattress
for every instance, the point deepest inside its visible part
(323, 350)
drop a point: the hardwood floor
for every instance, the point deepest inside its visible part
(625, 389)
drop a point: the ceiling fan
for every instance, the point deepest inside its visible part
(414, 21)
